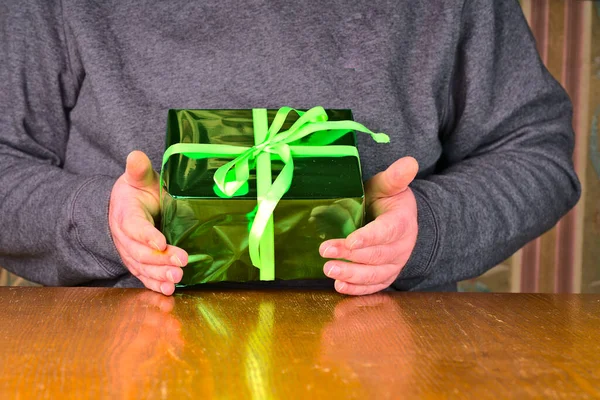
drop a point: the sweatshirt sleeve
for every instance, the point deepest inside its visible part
(53, 224)
(506, 173)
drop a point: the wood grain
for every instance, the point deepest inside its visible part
(126, 343)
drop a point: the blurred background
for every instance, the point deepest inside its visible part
(567, 258)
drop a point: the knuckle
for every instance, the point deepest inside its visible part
(151, 284)
(139, 256)
(135, 231)
(152, 273)
(362, 290)
(130, 262)
(128, 230)
(145, 256)
(348, 289)
(349, 272)
(147, 272)
(402, 225)
(158, 273)
(375, 255)
(371, 276)
(393, 229)
(388, 229)
(123, 222)
(351, 289)
(135, 272)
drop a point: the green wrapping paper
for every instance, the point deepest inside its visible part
(251, 194)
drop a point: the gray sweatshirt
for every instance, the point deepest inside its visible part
(457, 84)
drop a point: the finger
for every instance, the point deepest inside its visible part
(158, 285)
(143, 254)
(143, 231)
(163, 273)
(359, 290)
(330, 248)
(131, 265)
(394, 180)
(391, 253)
(165, 288)
(386, 228)
(360, 274)
(139, 172)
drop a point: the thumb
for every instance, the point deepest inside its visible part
(394, 180)
(138, 170)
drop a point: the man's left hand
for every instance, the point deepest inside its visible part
(371, 258)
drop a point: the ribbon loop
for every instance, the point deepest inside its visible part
(312, 121)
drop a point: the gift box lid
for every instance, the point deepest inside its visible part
(314, 177)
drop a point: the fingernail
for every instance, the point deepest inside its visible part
(170, 276)
(340, 285)
(333, 271)
(153, 243)
(175, 260)
(165, 288)
(330, 252)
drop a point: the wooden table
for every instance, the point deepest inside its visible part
(128, 343)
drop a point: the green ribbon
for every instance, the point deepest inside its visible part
(231, 178)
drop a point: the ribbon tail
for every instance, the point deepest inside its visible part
(265, 240)
(266, 208)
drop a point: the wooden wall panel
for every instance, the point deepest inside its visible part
(590, 273)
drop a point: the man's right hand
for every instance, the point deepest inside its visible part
(134, 206)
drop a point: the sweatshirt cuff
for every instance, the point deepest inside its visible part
(89, 217)
(419, 264)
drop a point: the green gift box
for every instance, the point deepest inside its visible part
(251, 194)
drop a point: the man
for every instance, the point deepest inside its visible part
(457, 85)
